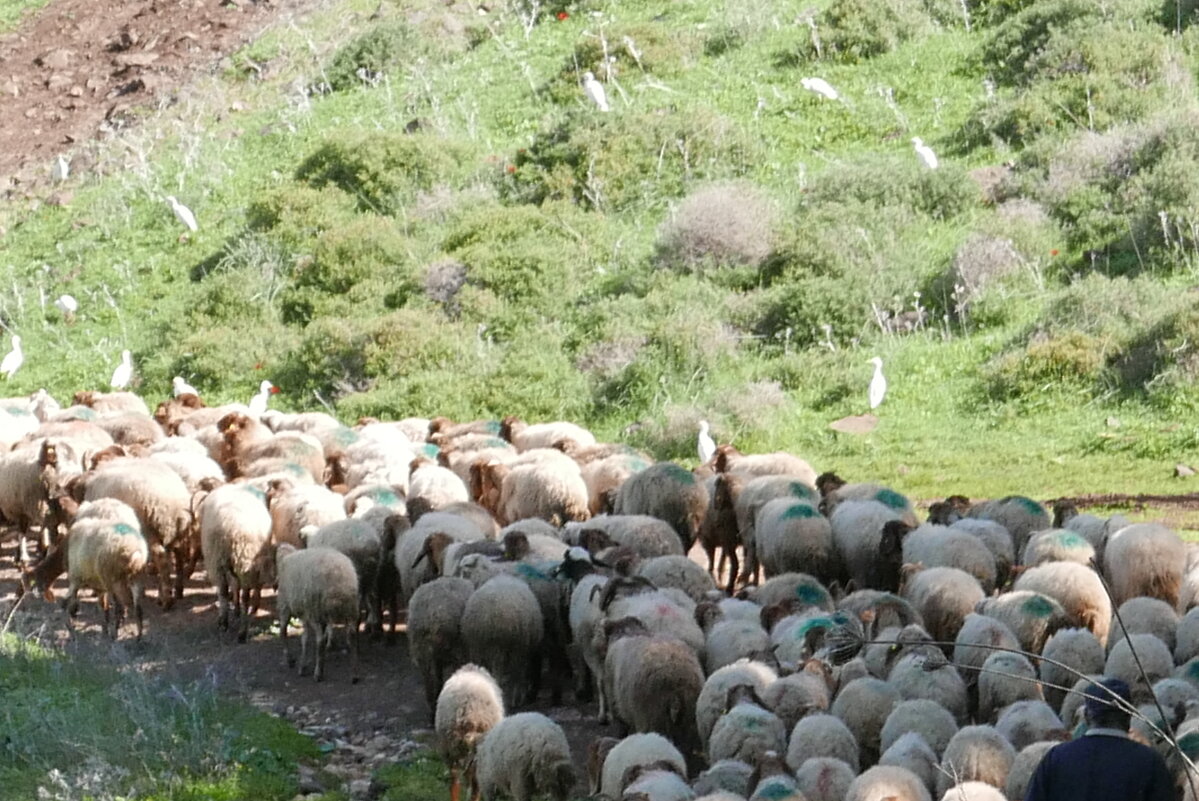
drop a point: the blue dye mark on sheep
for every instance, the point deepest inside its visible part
(1038, 606)
(892, 499)
(257, 493)
(774, 790)
(811, 594)
(430, 450)
(1028, 504)
(1069, 539)
(124, 528)
(678, 473)
(799, 511)
(345, 436)
(492, 427)
(528, 571)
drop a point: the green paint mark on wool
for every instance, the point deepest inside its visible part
(677, 473)
(891, 498)
(257, 493)
(1037, 606)
(528, 571)
(16, 411)
(1069, 539)
(492, 427)
(345, 436)
(811, 594)
(430, 450)
(1189, 744)
(384, 497)
(800, 631)
(124, 528)
(1027, 504)
(800, 490)
(1193, 670)
(774, 789)
(800, 511)
(495, 442)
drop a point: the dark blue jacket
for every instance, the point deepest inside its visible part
(1101, 768)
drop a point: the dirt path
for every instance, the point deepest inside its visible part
(78, 67)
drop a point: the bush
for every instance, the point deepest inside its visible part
(378, 51)
(730, 224)
(1070, 361)
(854, 30)
(1008, 51)
(620, 161)
(383, 170)
(627, 50)
(235, 358)
(295, 214)
(891, 180)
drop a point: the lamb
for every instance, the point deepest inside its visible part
(1026, 722)
(935, 725)
(939, 546)
(747, 731)
(710, 704)
(527, 436)
(822, 736)
(363, 543)
(792, 535)
(824, 779)
(669, 492)
(522, 756)
(319, 586)
(1074, 648)
(502, 627)
(647, 748)
(1057, 545)
(1143, 615)
(467, 707)
(886, 782)
(1005, 679)
(431, 488)
(1077, 589)
(911, 752)
(1155, 659)
(1024, 766)
(435, 632)
(1021, 516)
(1145, 559)
(1031, 616)
(943, 596)
(106, 552)
(863, 705)
(235, 537)
(678, 572)
(857, 532)
(976, 753)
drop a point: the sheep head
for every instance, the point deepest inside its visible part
(434, 551)
(516, 546)
(277, 488)
(829, 482)
(594, 540)
(394, 527)
(85, 398)
(707, 614)
(597, 752)
(510, 426)
(742, 694)
(97, 458)
(436, 425)
(1063, 511)
(622, 586)
(568, 446)
(624, 627)
(561, 780)
(771, 764)
(724, 458)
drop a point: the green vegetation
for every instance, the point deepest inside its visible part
(419, 213)
(82, 731)
(13, 11)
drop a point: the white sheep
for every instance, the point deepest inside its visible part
(943, 596)
(431, 488)
(1145, 559)
(712, 697)
(997, 540)
(800, 694)
(1186, 637)
(1078, 589)
(792, 535)
(973, 791)
(925, 673)
(751, 494)
(658, 785)
(467, 707)
(941, 546)
(522, 756)
(976, 753)
(911, 752)
(1142, 615)
(1031, 616)
(235, 536)
(1025, 764)
(824, 779)
(933, 722)
(863, 705)
(747, 731)
(1005, 679)
(730, 776)
(680, 573)
(1057, 545)
(1155, 660)
(362, 541)
(729, 640)
(1026, 722)
(857, 532)
(887, 781)
(319, 586)
(1018, 514)
(669, 492)
(645, 748)
(1069, 648)
(818, 736)
(106, 552)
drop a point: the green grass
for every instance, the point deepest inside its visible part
(420, 777)
(13, 11)
(83, 731)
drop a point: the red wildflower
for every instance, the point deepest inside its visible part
(258, 366)
(1053, 252)
(511, 168)
(562, 15)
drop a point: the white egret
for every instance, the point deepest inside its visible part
(707, 446)
(925, 153)
(820, 87)
(68, 306)
(61, 169)
(124, 372)
(259, 401)
(595, 90)
(183, 213)
(878, 384)
(181, 387)
(13, 361)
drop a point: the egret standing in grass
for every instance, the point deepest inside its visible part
(259, 401)
(181, 387)
(61, 169)
(13, 360)
(595, 90)
(68, 306)
(124, 372)
(878, 384)
(183, 214)
(707, 446)
(820, 86)
(925, 153)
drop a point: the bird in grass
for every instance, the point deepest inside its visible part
(925, 153)
(595, 90)
(124, 372)
(181, 387)
(878, 384)
(61, 169)
(13, 360)
(707, 446)
(259, 401)
(183, 213)
(68, 306)
(820, 87)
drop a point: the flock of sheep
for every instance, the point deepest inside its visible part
(853, 653)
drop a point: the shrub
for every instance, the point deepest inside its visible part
(1008, 50)
(443, 279)
(1163, 360)
(208, 358)
(854, 30)
(1070, 361)
(329, 360)
(627, 49)
(294, 214)
(724, 224)
(377, 51)
(383, 170)
(892, 180)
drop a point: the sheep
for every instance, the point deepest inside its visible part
(709, 706)
(1031, 616)
(883, 609)
(886, 782)
(250, 448)
(654, 682)
(976, 753)
(446, 427)
(431, 487)
(975, 643)
(748, 495)
(819, 736)
(604, 478)
(193, 468)
(889, 646)
(466, 708)
(661, 611)
(943, 596)
(1072, 705)
(792, 587)
(795, 638)
(106, 552)
(911, 752)
(747, 730)
(363, 543)
(718, 529)
(824, 779)
(973, 791)
(863, 705)
(502, 627)
(648, 536)
(729, 776)
(646, 748)
(522, 756)
(726, 641)
(657, 785)
(112, 402)
(1143, 615)
(1078, 589)
(1145, 559)
(1019, 515)
(1057, 545)
(1026, 722)
(939, 546)
(130, 429)
(1005, 679)
(857, 532)
(729, 460)
(413, 570)
(235, 537)
(435, 640)
(294, 506)
(800, 694)
(678, 572)
(1186, 643)
(319, 586)
(540, 490)
(935, 725)
(834, 491)
(1073, 648)
(996, 539)
(925, 673)
(792, 535)
(1025, 764)
(1152, 661)
(721, 796)
(669, 492)
(22, 493)
(526, 436)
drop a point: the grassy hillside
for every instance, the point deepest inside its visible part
(420, 213)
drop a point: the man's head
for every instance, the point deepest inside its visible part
(1103, 710)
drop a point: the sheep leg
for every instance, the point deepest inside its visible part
(354, 677)
(158, 555)
(309, 637)
(734, 566)
(455, 785)
(181, 571)
(284, 617)
(222, 601)
(137, 592)
(122, 600)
